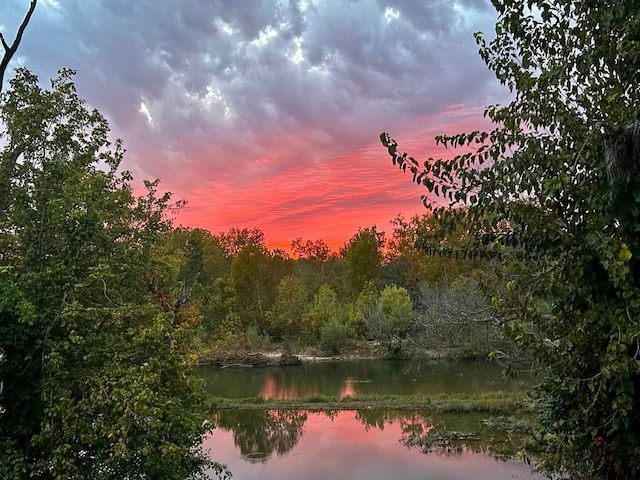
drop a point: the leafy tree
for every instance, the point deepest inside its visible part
(324, 310)
(286, 317)
(333, 337)
(554, 191)
(248, 281)
(316, 251)
(203, 274)
(408, 242)
(365, 312)
(397, 307)
(255, 274)
(236, 239)
(95, 339)
(385, 315)
(363, 253)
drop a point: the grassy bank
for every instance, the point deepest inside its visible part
(497, 402)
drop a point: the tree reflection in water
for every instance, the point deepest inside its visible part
(257, 434)
(260, 433)
(409, 421)
(451, 434)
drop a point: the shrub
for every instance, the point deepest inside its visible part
(333, 337)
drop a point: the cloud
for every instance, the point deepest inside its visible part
(266, 105)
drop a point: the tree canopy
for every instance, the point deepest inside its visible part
(95, 336)
(553, 189)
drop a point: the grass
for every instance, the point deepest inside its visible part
(497, 402)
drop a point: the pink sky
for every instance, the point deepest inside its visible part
(330, 199)
(267, 114)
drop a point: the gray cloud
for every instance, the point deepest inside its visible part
(238, 88)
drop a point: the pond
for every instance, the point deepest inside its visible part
(360, 377)
(367, 444)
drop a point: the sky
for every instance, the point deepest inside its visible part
(266, 114)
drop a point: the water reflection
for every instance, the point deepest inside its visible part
(409, 422)
(260, 433)
(348, 390)
(357, 378)
(367, 444)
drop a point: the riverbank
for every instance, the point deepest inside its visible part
(502, 402)
(286, 355)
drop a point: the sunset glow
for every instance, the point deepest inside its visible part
(341, 445)
(267, 115)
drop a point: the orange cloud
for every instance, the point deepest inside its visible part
(328, 199)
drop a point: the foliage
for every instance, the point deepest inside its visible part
(333, 337)
(96, 331)
(363, 253)
(286, 316)
(235, 239)
(457, 319)
(253, 279)
(316, 251)
(325, 309)
(397, 308)
(366, 306)
(554, 191)
(408, 241)
(381, 316)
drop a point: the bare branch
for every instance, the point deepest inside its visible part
(9, 51)
(4, 43)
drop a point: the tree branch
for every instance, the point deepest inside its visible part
(9, 51)
(4, 43)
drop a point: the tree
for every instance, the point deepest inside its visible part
(408, 241)
(203, 273)
(554, 191)
(325, 309)
(316, 251)
(10, 156)
(95, 339)
(10, 50)
(237, 238)
(365, 315)
(397, 307)
(286, 316)
(363, 253)
(255, 274)
(315, 264)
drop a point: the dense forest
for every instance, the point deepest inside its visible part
(374, 289)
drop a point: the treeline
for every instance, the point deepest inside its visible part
(375, 288)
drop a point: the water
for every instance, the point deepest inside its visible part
(359, 377)
(367, 444)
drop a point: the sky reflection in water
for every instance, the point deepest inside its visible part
(346, 445)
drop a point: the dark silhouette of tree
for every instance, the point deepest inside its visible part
(10, 50)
